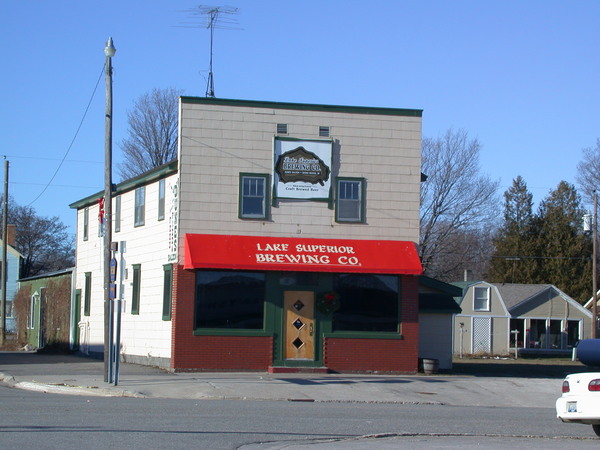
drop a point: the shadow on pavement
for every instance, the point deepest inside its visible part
(524, 368)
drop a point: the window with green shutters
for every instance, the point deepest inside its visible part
(254, 196)
(87, 295)
(167, 287)
(135, 298)
(140, 207)
(350, 200)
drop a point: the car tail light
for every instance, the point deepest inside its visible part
(565, 387)
(594, 385)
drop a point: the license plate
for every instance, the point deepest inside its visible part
(571, 407)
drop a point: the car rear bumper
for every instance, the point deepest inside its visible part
(577, 409)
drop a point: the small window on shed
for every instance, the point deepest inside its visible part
(324, 131)
(481, 299)
(282, 128)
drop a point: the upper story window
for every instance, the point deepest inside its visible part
(86, 223)
(324, 131)
(117, 213)
(161, 199)
(140, 206)
(350, 200)
(254, 196)
(481, 299)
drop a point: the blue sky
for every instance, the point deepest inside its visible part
(521, 76)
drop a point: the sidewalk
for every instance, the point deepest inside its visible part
(79, 375)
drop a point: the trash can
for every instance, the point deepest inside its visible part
(430, 366)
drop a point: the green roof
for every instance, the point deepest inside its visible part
(141, 180)
(304, 106)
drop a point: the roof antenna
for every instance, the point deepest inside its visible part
(215, 17)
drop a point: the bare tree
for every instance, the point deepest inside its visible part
(588, 175)
(457, 203)
(43, 241)
(152, 135)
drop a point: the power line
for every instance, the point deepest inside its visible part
(72, 141)
(518, 258)
(38, 158)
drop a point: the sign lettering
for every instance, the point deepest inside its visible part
(307, 254)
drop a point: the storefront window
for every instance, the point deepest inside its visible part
(231, 300)
(367, 303)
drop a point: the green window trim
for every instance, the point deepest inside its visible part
(117, 213)
(87, 295)
(135, 296)
(140, 207)
(254, 188)
(350, 194)
(167, 291)
(161, 199)
(363, 335)
(86, 223)
(231, 332)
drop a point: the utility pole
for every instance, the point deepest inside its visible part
(109, 52)
(594, 269)
(4, 253)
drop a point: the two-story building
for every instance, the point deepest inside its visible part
(282, 238)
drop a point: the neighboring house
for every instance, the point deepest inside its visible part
(12, 275)
(51, 315)
(283, 238)
(499, 318)
(437, 308)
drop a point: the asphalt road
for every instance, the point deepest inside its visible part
(40, 420)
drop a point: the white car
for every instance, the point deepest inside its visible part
(580, 400)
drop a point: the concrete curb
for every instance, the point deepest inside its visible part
(74, 390)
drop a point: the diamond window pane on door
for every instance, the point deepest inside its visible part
(298, 305)
(297, 343)
(298, 324)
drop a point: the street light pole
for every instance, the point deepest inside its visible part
(4, 253)
(109, 52)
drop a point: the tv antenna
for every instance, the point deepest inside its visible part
(214, 17)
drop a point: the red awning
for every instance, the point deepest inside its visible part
(212, 251)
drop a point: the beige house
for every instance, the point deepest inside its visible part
(496, 319)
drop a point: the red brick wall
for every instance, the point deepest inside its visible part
(189, 352)
(381, 355)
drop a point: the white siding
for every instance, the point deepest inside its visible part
(144, 335)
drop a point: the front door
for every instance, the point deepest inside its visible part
(299, 325)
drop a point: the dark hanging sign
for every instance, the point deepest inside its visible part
(301, 165)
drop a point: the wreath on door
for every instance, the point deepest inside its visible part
(328, 302)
